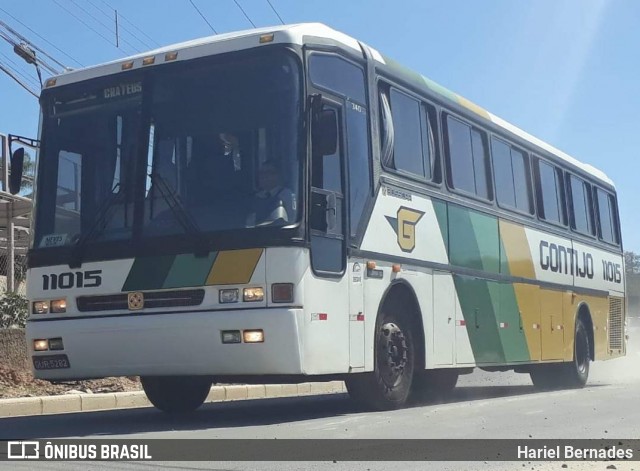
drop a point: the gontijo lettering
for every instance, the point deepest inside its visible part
(560, 259)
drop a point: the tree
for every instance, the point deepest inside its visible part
(631, 263)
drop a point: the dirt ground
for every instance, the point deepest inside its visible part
(21, 383)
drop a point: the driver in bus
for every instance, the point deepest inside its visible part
(273, 201)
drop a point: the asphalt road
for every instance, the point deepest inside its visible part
(491, 405)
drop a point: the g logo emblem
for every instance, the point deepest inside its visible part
(135, 301)
(404, 226)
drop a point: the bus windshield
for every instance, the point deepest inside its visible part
(206, 147)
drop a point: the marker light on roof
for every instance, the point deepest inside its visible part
(148, 60)
(50, 82)
(266, 38)
(171, 56)
(127, 65)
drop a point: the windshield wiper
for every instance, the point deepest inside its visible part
(182, 216)
(97, 227)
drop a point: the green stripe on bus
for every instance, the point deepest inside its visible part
(477, 299)
(473, 239)
(485, 229)
(189, 270)
(440, 208)
(437, 88)
(148, 273)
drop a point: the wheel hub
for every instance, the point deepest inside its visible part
(392, 355)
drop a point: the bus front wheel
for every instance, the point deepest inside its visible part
(388, 386)
(176, 394)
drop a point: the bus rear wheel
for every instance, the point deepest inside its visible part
(389, 385)
(573, 374)
(176, 394)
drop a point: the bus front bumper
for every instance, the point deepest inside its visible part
(184, 343)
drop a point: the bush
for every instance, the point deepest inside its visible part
(14, 309)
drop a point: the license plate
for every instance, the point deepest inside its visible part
(51, 362)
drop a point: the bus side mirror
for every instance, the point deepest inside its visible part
(17, 164)
(325, 133)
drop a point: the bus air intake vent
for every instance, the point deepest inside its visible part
(616, 323)
(119, 302)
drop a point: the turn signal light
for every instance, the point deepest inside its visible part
(231, 336)
(56, 344)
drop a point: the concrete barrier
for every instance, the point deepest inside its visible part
(70, 403)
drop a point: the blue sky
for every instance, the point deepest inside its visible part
(565, 71)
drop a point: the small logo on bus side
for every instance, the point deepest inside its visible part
(404, 225)
(135, 301)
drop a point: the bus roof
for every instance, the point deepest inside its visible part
(301, 34)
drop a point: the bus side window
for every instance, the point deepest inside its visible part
(467, 158)
(580, 216)
(607, 217)
(550, 193)
(407, 130)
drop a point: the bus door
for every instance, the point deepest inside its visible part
(337, 85)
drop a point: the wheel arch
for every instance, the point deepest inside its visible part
(583, 313)
(401, 291)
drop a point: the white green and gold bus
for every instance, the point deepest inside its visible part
(287, 204)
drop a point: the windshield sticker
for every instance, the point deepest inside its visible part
(124, 89)
(53, 240)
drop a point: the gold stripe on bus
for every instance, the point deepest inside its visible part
(528, 299)
(516, 246)
(473, 107)
(234, 267)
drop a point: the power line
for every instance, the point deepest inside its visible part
(275, 11)
(120, 15)
(203, 17)
(85, 24)
(25, 40)
(41, 37)
(37, 60)
(119, 26)
(20, 82)
(16, 68)
(105, 26)
(244, 13)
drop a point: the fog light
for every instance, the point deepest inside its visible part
(253, 294)
(41, 307)
(253, 336)
(56, 344)
(231, 336)
(282, 292)
(40, 345)
(228, 296)
(59, 306)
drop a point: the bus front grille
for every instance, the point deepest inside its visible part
(616, 323)
(118, 302)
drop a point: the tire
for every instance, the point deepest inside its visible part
(176, 394)
(577, 371)
(573, 374)
(433, 384)
(389, 385)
